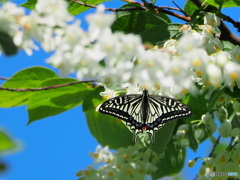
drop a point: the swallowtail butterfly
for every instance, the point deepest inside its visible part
(144, 111)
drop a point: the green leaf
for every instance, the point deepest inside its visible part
(227, 46)
(163, 136)
(73, 8)
(161, 16)
(170, 165)
(198, 105)
(190, 8)
(7, 44)
(153, 1)
(153, 36)
(145, 23)
(30, 4)
(7, 143)
(3, 167)
(216, 94)
(76, 9)
(27, 78)
(3, 1)
(54, 101)
(219, 148)
(233, 93)
(226, 3)
(192, 139)
(104, 128)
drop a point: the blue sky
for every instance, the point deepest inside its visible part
(55, 147)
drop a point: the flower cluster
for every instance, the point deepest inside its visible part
(126, 163)
(118, 58)
(225, 161)
(40, 25)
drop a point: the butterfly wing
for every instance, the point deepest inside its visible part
(127, 108)
(163, 109)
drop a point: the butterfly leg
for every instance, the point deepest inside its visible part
(135, 132)
(152, 134)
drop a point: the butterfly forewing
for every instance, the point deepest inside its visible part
(168, 108)
(122, 107)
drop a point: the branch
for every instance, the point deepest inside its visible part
(107, 9)
(226, 34)
(179, 16)
(46, 88)
(160, 9)
(230, 20)
(3, 78)
(131, 9)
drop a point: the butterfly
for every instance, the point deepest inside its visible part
(144, 111)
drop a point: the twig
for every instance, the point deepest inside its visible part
(3, 78)
(211, 153)
(45, 88)
(180, 8)
(214, 146)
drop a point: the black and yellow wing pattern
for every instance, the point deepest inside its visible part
(144, 111)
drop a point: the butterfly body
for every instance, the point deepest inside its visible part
(144, 111)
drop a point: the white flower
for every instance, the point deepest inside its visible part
(207, 118)
(235, 54)
(213, 45)
(12, 9)
(89, 174)
(108, 93)
(236, 106)
(102, 155)
(231, 73)
(133, 89)
(188, 42)
(9, 14)
(222, 158)
(99, 21)
(214, 75)
(26, 43)
(170, 45)
(222, 57)
(52, 12)
(199, 60)
(207, 31)
(211, 19)
(225, 129)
